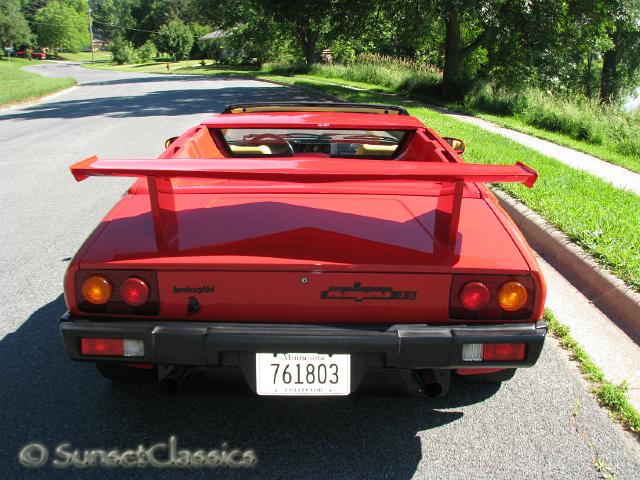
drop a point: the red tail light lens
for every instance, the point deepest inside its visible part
(503, 352)
(112, 347)
(474, 296)
(134, 291)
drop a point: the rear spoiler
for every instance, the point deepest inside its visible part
(302, 170)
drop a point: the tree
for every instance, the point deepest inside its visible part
(620, 63)
(314, 21)
(174, 38)
(469, 25)
(13, 26)
(63, 25)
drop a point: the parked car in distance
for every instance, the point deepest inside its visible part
(26, 53)
(306, 244)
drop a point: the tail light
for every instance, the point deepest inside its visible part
(117, 292)
(491, 297)
(474, 295)
(112, 347)
(494, 352)
(134, 291)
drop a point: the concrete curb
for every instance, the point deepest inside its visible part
(603, 289)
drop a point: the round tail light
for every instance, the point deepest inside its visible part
(134, 291)
(97, 289)
(474, 295)
(512, 296)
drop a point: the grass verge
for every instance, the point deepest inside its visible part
(17, 86)
(601, 218)
(85, 56)
(611, 396)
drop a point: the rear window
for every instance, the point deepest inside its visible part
(283, 142)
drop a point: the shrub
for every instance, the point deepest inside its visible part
(396, 74)
(122, 51)
(147, 52)
(287, 69)
(174, 38)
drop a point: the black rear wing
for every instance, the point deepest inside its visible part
(342, 107)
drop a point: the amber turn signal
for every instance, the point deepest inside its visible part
(97, 289)
(512, 296)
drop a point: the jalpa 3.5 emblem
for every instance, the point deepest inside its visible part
(359, 293)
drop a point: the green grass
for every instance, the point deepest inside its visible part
(85, 56)
(17, 85)
(601, 218)
(611, 396)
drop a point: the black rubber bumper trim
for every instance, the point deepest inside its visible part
(402, 345)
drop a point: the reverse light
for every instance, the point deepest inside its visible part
(472, 352)
(474, 295)
(97, 289)
(134, 291)
(112, 347)
(512, 296)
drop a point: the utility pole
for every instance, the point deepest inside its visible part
(91, 33)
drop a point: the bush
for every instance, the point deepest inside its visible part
(286, 69)
(396, 74)
(147, 52)
(122, 51)
(174, 38)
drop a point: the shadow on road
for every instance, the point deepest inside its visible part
(49, 399)
(160, 78)
(156, 103)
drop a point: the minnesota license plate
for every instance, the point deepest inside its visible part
(303, 374)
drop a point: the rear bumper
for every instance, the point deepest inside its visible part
(391, 346)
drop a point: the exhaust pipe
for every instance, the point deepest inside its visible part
(171, 382)
(433, 383)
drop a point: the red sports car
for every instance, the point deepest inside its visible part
(306, 244)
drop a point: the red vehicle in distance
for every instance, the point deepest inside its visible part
(26, 53)
(306, 244)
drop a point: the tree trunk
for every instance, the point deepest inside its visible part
(308, 42)
(588, 76)
(452, 47)
(309, 49)
(609, 79)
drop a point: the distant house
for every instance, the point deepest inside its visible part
(216, 35)
(215, 47)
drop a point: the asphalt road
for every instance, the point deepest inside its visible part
(542, 424)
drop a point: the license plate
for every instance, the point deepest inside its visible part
(303, 374)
